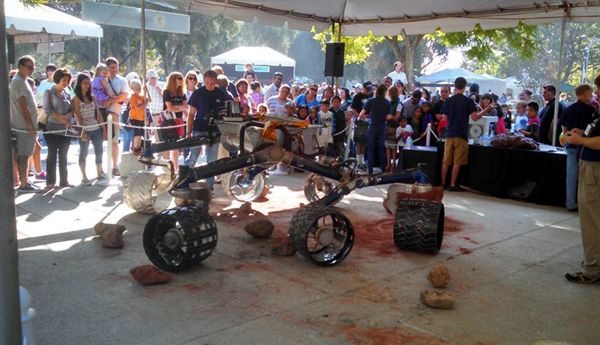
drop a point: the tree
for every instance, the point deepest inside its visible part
(542, 66)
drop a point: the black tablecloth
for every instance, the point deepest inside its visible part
(499, 171)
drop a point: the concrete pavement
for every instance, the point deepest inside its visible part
(507, 260)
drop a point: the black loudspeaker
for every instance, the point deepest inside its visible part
(334, 60)
(10, 49)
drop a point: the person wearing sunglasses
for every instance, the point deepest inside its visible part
(24, 117)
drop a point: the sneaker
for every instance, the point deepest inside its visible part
(86, 182)
(41, 175)
(116, 172)
(29, 188)
(101, 176)
(456, 188)
(66, 185)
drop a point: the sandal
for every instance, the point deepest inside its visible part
(582, 278)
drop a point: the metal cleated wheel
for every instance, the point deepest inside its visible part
(322, 234)
(236, 185)
(419, 225)
(179, 238)
(146, 192)
(316, 187)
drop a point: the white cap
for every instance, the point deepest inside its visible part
(358, 86)
(152, 73)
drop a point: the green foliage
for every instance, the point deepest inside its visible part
(542, 67)
(482, 45)
(357, 49)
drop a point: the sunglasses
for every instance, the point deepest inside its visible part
(28, 66)
(192, 78)
(315, 90)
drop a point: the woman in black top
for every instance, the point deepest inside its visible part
(175, 105)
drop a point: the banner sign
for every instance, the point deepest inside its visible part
(131, 17)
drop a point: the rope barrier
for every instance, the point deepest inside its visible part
(61, 131)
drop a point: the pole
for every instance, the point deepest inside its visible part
(99, 54)
(560, 67)
(109, 132)
(143, 59)
(49, 52)
(339, 40)
(10, 310)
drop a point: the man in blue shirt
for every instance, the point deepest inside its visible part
(204, 103)
(576, 118)
(588, 198)
(457, 109)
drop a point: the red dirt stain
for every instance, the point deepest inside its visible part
(465, 251)
(193, 288)
(390, 336)
(470, 240)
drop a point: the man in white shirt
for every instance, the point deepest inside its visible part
(114, 106)
(273, 89)
(155, 91)
(397, 73)
(24, 117)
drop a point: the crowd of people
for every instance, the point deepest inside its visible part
(384, 119)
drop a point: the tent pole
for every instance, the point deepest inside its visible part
(49, 53)
(10, 315)
(143, 60)
(558, 75)
(99, 56)
(339, 40)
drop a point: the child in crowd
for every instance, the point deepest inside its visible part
(290, 110)
(532, 130)
(313, 116)
(101, 89)
(325, 116)
(403, 132)
(303, 113)
(257, 96)
(138, 103)
(391, 151)
(262, 110)
(416, 123)
(338, 126)
(520, 117)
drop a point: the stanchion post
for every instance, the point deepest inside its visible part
(109, 131)
(428, 138)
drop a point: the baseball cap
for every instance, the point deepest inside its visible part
(152, 73)
(358, 86)
(367, 84)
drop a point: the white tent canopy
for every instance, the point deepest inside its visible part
(42, 23)
(390, 17)
(447, 77)
(262, 56)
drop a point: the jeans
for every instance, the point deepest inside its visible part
(58, 145)
(212, 152)
(127, 137)
(376, 143)
(95, 137)
(572, 172)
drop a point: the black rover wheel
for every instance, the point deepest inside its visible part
(322, 234)
(179, 238)
(419, 225)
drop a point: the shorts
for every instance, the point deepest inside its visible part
(456, 151)
(116, 128)
(25, 144)
(137, 132)
(390, 144)
(361, 132)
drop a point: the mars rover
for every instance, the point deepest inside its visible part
(181, 237)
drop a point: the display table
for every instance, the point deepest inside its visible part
(538, 174)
